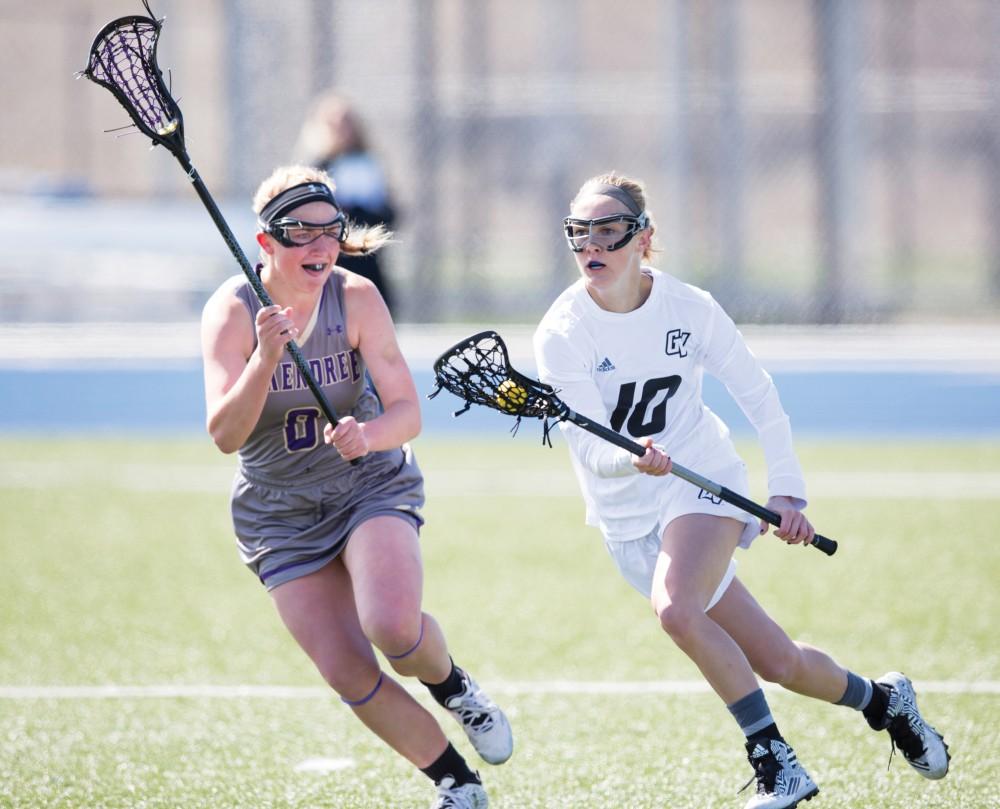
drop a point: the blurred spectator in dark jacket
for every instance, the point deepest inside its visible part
(332, 138)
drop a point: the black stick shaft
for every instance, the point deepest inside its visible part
(258, 286)
(828, 546)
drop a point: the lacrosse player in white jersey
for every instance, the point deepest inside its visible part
(627, 346)
(336, 544)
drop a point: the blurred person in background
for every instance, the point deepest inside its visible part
(332, 138)
(626, 346)
(335, 544)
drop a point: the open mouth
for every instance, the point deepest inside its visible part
(314, 268)
(595, 265)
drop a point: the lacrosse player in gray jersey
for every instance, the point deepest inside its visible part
(336, 543)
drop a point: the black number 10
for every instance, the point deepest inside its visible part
(638, 423)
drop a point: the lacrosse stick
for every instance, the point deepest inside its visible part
(123, 59)
(478, 370)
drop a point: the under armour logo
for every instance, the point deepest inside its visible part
(607, 365)
(676, 342)
(703, 495)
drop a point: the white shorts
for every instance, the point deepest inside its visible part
(636, 558)
(636, 561)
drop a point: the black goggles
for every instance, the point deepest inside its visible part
(296, 233)
(607, 232)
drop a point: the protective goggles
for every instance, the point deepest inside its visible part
(607, 232)
(296, 233)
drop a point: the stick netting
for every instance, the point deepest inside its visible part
(478, 371)
(123, 59)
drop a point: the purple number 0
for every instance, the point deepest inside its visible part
(301, 428)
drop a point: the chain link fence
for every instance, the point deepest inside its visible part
(826, 161)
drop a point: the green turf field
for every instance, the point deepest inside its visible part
(119, 570)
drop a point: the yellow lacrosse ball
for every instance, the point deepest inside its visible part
(511, 396)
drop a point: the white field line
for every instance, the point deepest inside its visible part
(209, 479)
(280, 692)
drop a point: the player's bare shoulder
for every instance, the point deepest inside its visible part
(224, 301)
(360, 293)
(363, 305)
(226, 323)
(226, 291)
(355, 285)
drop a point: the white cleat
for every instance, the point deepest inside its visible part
(484, 723)
(466, 796)
(781, 780)
(923, 747)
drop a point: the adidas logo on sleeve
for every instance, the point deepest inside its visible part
(606, 365)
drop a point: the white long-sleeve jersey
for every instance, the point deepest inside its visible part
(640, 373)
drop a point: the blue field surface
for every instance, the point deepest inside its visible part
(842, 402)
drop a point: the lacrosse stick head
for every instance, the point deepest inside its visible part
(478, 371)
(123, 59)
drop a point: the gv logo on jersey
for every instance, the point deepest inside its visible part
(677, 342)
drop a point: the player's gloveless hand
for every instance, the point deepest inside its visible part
(794, 528)
(654, 462)
(347, 437)
(274, 329)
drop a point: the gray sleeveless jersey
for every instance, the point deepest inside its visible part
(287, 442)
(295, 501)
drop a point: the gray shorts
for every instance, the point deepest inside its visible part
(288, 529)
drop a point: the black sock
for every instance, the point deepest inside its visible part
(451, 686)
(450, 762)
(877, 706)
(769, 732)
